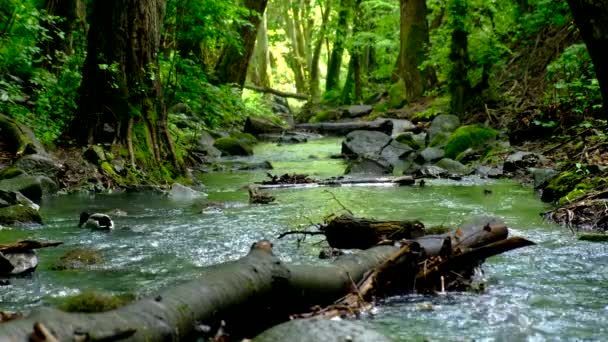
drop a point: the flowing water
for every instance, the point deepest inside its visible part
(555, 291)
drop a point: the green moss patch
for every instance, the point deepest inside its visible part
(561, 185)
(472, 136)
(233, 147)
(593, 237)
(396, 95)
(325, 116)
(408, 140)
(90, 301)
(77, 259)
(10, 172)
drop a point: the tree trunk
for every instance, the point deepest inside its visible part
(315, 94)
(258, 68)
(121, 78)
(294, 59)
(458, 81)
(591, 17)
(72, 14)
(232, 66)
(335, 59)
(414, 38)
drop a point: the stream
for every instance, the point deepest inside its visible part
(555, 291)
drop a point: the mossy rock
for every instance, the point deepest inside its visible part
(396, 95)
(233, 147)
(326, 115)
(95, 154)
(91, 301)
(381, 107)
(472, 136)
(246, 138)
(439, 139)
(16, 214)
(593, 237)
(578, 191)
(408, 140)
(561, 185)
(436, 230)
(32, 187)
(78, 259)
(10, 172)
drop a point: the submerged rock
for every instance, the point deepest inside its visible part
(79, 258)
(20, 263)
(181, 192)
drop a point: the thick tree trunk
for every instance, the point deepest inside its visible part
(335, 59)
(254, 292)
(121, 78)
(459, 56)
(232, 66)
(72, 15)
(414, 38)
(591, 17)
(315, 93)
(259, 73)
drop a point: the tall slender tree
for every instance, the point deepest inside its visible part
(121, 85)
(335, 59)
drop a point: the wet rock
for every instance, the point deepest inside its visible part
(364, 144)
(561, 185)
(256, 125)
(453, 167)
(32, 187)
(19, 214)
(18, 263)
(233, 147)
(444, 123)
(488, 171)
(432, 171)
(319, 329)
(523, 160)
(204, 150)
(400, 126)
(10, 172)
(542, 177)
(356, 111)
(38, 164)
(365, 166)
(415, 141)
(181, 192)
(430, 155)
(395, 152)
(243, 166)
(80, 258)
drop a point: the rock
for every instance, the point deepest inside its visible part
(395, 152)
(19, 214)
(365, 166)
(356, 111)
(411, 139)
(21, 139)
(488, 171)
(10, 172)
(432, 171)
(444, 123)
(367, 144)
(95, 155)
(181, 192)
(453, 167)
(204, 149)
(9, 198)
(257, 125)
(523, 160)
(430, 155)
(265, 165)
(397, 95)
(319, 329)
(326, 116)
(400, 126)
(32, 187)
(38, 164)
(472, 136)
(542, 177)
(22, 262)
(80, 258)
(233, 147)
(561, 186)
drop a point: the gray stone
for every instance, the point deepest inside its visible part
(181, 192)
(542, 177)
(33, 187)
(367, 144)
(523, 160)
(488, 171)
(22, 262)
(256, 125)
(444, 123)
(38, 164)
(365, 166)
(19, 214)
(400, 126)
(356, 111)
(432, 171)
(395, 152)
(430, 155)
(453, 167)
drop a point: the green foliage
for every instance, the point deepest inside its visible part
(396, 94)
(233, 147)
(543, 13)
(408, 139)
(472, 136)
(573, 81)
(91, 301)
(325, 116)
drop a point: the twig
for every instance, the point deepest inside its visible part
(338, 201)
(303, 232)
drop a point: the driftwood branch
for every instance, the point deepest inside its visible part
(278, 92)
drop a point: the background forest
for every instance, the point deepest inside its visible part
(68, 70)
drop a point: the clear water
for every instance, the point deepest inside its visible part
(555, 291)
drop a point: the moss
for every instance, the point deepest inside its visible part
(593, 237)
(472, 136)
(407, 139)
(233, 147)
(331, 97)
(77, 258)
(108, 170)
(396, 95)
(439, 139)
(381, 107)
(326, 115)
(561, 185)
(91, 301)
(19, 214)
(10, 172)
(436, 230)
(579, 190)
(244, 137)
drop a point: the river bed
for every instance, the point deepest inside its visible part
(555, 291)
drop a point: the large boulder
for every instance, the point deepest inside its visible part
(366, 166)
(523, 160)
(319, 329)
(39, 164)
(19, 214)
(367, 144)
(430, 155)
(32, 187)
(18, 263)
(561, 185)
(542, 177)
(444, 123)
(453, 167)
(233, 147)
(400, 125)
(10, 172)
(21, 139)
(204, 149)
(356, 111)
(395, 153)
(415, 141)
(465, 137)
(257, 125)
(181, 192)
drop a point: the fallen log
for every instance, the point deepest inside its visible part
(252, 293)
(343, 128)
(278, 92)
(340, 181)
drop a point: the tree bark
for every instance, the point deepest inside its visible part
(259, 73)
(459, 56)
(315, 93)
(121, 78)
(335, 59)
(233, 63)
(414, 38)
(591, 17)
(73, 18)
